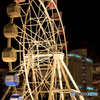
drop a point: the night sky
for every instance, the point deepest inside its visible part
(81, 18)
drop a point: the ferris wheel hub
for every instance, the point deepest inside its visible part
(58, 55)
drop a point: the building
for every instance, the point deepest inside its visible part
(81, 69)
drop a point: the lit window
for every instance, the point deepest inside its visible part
(79, 86)
(89, 88)
(83, 74)
(74, 55)
(77, 56)
(83, 60)
(89, 60)
(84, 81)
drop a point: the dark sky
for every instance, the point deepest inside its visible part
(81, 18)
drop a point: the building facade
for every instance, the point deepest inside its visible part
(81, 69)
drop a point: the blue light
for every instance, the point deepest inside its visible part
(16, 97)
(77, 56)
(69, 55)
(80, 87)
(89, 88)
(92, 94)
(89, 60)
(12, 79)
(74, 55)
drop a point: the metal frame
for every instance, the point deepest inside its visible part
(41, 68)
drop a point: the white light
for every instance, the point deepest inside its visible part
(83, 74)
(84, 81)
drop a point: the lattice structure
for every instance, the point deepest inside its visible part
(41, 68)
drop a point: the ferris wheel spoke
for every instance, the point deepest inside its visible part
(22, 9)
(27, 81)
(39, 30)
(22, 21)
(26, 97)
(61, 47)
(29, 20)
(32, 19)
(50, 84)
(48, 29)
(38, 16)
(22, 31)
(20, 43)
(28, 42)
(38, 76)
(46, 87)
(38, 19)
(33, 45)
(52, 36)
(38, 42)
(25, 93)
(39, 8)
(17, 67)
(43, 13)
(43, 36)
(34, 34)
(47, 5)
(26, 38)
(34, 90)
(42, 29)
(20, 36)
(23, 4)
(48, 75)
(34, 11)
(47, 34)
(43, 79)
(41, 88)
(42, 60)
(54, 25)
(32, 25)
(23, 71)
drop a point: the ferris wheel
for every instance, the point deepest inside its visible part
(37, 28)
